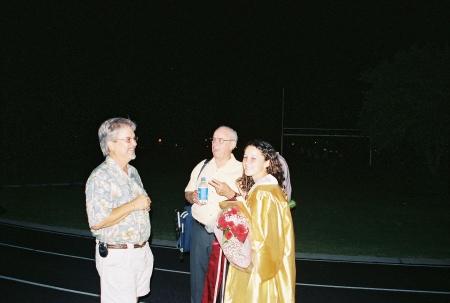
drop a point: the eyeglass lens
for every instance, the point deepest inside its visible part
(128, 139)
(218, 139)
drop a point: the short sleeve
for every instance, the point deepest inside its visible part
(98, 200)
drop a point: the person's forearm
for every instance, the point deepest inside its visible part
(116, 215)
(232, 194)
(188, 196)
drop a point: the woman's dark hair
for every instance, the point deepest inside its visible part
(274, 168)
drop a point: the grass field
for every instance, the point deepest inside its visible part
(335, 214)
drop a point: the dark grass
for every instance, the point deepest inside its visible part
(390, 227)
(331, 217)
(342, 208)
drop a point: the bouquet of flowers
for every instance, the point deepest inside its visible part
(233, 233)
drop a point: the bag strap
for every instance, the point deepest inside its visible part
(204, 164)
(188, 209)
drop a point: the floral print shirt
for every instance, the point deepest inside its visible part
(109, 187)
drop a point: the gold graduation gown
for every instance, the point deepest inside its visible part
(271, 277)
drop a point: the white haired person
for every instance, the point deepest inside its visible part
(221, 172)
(117, 207)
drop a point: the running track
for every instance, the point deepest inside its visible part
(39, 265)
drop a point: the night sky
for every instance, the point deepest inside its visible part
(181, 69)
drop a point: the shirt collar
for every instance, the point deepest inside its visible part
(113, 164)
(231, 161)
(269, 179)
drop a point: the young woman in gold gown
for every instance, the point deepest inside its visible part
(271, 276)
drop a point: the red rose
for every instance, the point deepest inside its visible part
(242, 237)
(228, 235)
(223, 224)
(233, 211)
(239, 229)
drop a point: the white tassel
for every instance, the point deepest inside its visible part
(217, 278)
(223, 278)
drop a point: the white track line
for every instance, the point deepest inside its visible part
(47, 252)
(49, 286)
(184, 272)
(82, 258)
(400, 263)
(377, 289)
(373, 263)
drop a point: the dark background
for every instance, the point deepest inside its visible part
(181, 69)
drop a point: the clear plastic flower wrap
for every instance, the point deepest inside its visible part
(232, 230)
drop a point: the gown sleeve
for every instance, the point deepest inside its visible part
(267, 234)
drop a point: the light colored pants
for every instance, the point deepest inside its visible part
(125, 273)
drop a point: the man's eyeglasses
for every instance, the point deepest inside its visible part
(128, 139)
(220, 140)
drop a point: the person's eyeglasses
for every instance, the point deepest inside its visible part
(220, 140)
(128, 139)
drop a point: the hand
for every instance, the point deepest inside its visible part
(222, 189)
(149, 204)
(194, 198)
(142, 202)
